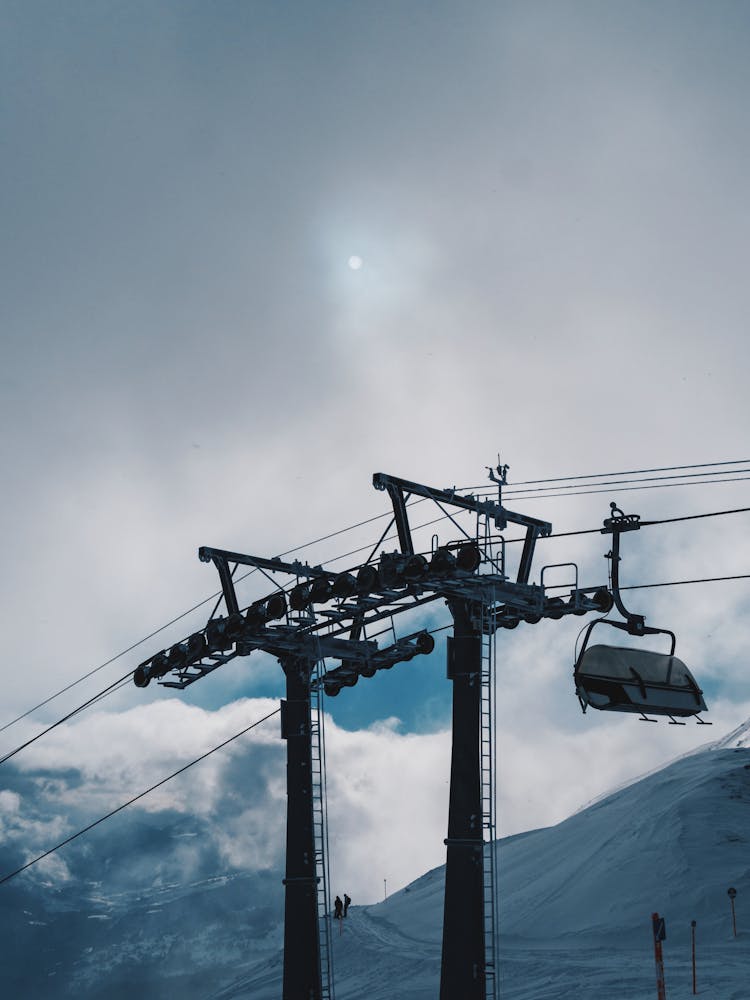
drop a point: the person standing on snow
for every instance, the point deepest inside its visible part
(338, 908)
(347, 902)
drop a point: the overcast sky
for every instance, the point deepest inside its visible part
(550, 206)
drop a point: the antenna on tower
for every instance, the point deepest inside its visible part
(501, 478)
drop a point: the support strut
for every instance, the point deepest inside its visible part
(462, 974)
(302, 969)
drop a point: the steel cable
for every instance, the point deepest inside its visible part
(135, 798)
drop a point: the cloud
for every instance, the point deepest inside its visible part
(387, 806)
(387, 790)
(546, 205)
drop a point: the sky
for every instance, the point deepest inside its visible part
(549, 203)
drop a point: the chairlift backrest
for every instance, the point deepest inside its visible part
(621, 679)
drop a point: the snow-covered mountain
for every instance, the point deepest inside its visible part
(575, 907)
(576, 899)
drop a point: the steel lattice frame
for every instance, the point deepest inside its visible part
(481, 598)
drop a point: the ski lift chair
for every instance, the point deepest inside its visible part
(624, 679)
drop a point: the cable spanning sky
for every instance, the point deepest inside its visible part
(253, 253)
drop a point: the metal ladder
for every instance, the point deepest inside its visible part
(320, 827)
(488, 743)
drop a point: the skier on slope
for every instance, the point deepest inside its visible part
(347, 903)
(338, 908)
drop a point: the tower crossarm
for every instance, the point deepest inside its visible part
(221, 558)
(500, 514)
(206, 554)
(282, 641)
(400, 490)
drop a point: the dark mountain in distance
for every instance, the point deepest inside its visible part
(161, 919)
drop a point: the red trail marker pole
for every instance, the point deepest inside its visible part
(660, 933)
(692, 927)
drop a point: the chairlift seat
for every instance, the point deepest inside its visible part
(620, 679)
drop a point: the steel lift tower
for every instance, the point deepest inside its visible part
(479, 603)
(285, 625)
(320, 616)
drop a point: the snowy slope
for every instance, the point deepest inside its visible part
(576, 899)
(575, 906)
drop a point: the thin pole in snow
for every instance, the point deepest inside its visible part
(732, 893)
(385, 892)
(692, 927)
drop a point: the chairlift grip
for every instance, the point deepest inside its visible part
(620, 522)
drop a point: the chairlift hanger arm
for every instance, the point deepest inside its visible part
(614, 526)
(636, 621)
